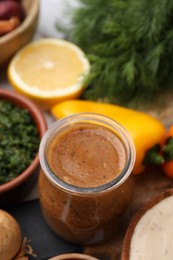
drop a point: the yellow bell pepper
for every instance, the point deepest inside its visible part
(145, 130)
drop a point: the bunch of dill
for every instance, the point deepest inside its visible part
(130, 46)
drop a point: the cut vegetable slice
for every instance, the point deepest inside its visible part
(48, 71)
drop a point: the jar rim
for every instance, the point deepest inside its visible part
(94, 118)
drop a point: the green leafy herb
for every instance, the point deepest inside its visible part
(130, 46)
(19, 140)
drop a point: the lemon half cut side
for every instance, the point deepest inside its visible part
(49, 71)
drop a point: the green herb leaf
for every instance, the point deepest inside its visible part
(19, 140)
(129, 44)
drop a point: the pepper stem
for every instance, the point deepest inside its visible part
(168, 149)
(153, 156)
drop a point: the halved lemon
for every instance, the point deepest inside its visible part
(48, 71)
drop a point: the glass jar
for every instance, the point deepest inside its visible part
(84, 184)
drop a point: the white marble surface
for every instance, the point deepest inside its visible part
(52, 12)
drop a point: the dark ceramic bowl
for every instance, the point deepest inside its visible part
(16, 189)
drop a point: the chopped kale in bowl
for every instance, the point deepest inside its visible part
(19, 140)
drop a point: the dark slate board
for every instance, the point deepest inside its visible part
(43, 241)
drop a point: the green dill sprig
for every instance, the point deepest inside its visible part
(130, 47)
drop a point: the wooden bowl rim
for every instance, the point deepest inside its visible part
(42, 127)
(147, 206)
(24, 25)
(73, 255)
